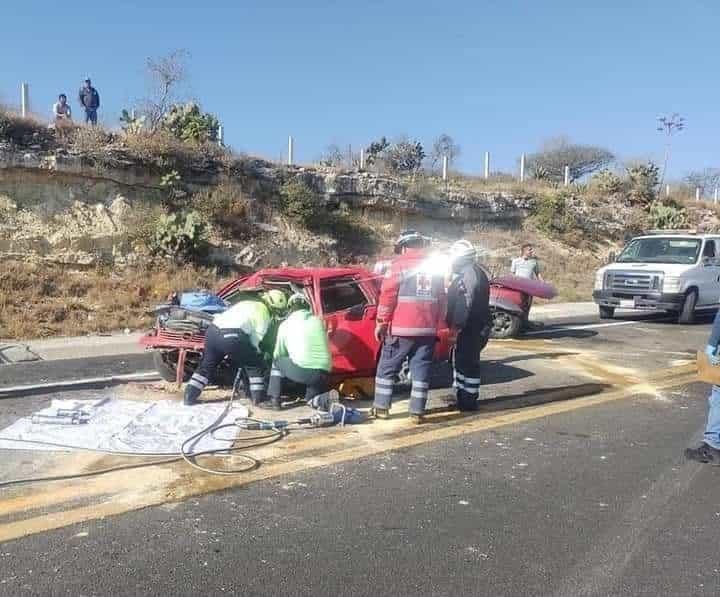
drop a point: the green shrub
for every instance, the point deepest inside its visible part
(608, 182)
(301, 204)
(188, 123)
(226, 207)
(179, 235)
(552, 215)
(643, 181)
(668, 216)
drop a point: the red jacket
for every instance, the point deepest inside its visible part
(412, 299)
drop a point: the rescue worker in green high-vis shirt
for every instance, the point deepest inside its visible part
(302, 353)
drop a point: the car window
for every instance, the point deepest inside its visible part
(709, 250)
(340, 294)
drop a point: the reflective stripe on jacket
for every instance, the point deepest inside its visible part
(252, 317)
(412, 298)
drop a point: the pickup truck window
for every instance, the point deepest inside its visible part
(340, 294)
(684, 251)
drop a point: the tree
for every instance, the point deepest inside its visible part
(707, 179)
(165, 75)
(405, 156)
(376, 150)
(333, 156)
(669, 125)
(444, 145)
(555, 154)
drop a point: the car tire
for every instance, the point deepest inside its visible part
(166, 365)
(505, 325)
(607, 312)
(687, 312)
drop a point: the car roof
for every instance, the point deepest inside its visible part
(299, 273)
(678, 235)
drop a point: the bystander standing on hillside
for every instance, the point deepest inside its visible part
(90, 101)
(62, 114)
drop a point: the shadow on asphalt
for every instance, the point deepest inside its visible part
(551, 333)
(545, 396)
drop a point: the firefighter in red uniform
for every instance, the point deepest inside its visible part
(410, 309)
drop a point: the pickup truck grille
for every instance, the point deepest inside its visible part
(631, 282)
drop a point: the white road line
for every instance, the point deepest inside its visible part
(139, 376)
(582, 327)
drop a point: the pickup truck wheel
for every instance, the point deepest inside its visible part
(687, 313)
(165, 362)
(505, 325)
(607, 312)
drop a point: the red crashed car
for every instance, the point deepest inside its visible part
(346, 298)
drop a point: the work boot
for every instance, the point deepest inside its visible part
(381, 413)
(191, 396)
(704, 453)
(417, 419)
(275, 404)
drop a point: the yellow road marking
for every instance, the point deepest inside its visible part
(187, 485)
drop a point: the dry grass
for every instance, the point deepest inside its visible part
(41, 300)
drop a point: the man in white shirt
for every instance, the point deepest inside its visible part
(527, 265)
(62, 114)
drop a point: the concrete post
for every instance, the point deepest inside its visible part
(445, 167)
(362, 158)
(715, 195)
(290, 151)
(24, 99)
(221, 135)
(697, 193)
(567, 176)
(522, 167)
(487, 165)
(667, 190)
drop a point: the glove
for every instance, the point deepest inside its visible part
(711, 352)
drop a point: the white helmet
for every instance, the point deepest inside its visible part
(462, 250)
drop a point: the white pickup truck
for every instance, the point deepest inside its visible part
(666, 271)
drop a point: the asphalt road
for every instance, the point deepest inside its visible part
(593, 501)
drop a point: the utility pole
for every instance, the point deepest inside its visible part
(522, 167)
(567, 176)
(290, 151)
(362, 158)
(24, 100)
(697, 193)
(220, 134)
(445, 168)
(487, 165)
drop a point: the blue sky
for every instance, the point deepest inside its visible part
(500, 75)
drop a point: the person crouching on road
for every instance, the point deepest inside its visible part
(237, 334)
(468, 311)
(708, 452)
(302, 353)
(410, 308)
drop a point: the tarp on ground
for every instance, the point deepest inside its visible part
(119, 425)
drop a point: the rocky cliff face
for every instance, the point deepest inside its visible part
(74, 208)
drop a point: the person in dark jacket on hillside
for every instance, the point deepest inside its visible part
(90, 101)
(708, 452)
(468, 311)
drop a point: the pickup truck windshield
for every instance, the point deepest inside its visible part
(661, 250)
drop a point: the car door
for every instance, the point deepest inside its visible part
(709, 274)
(349, 311)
